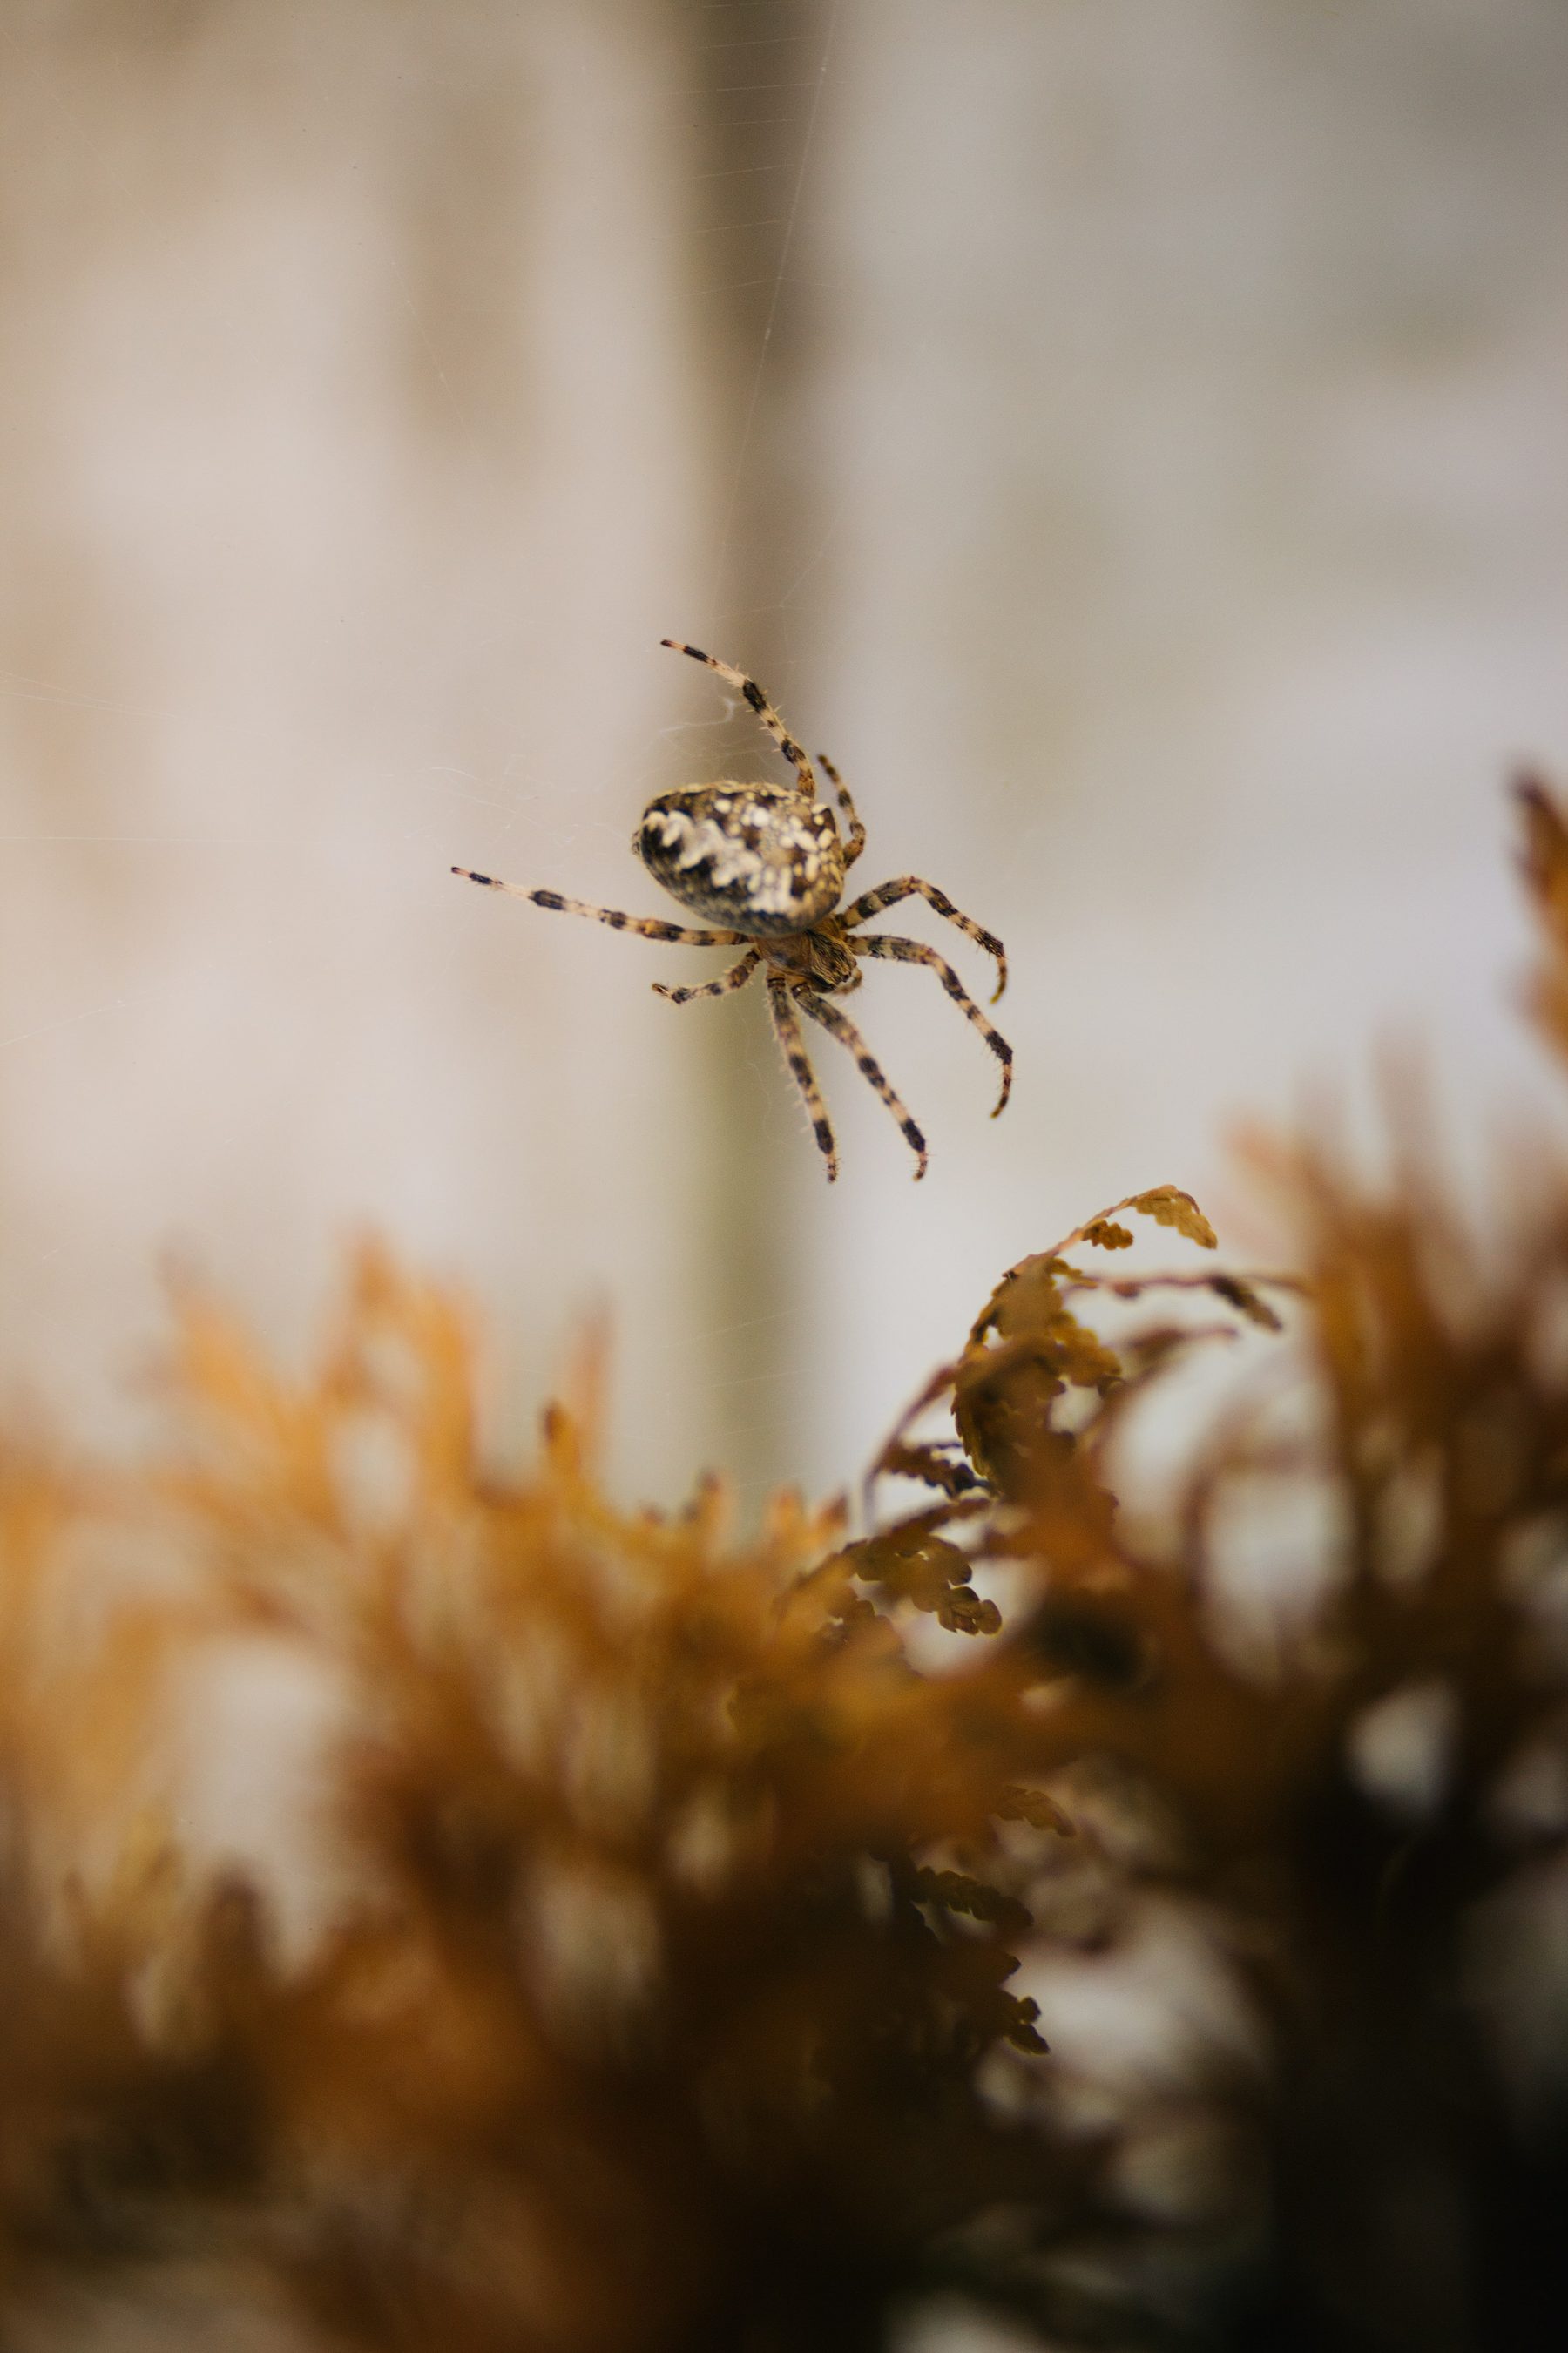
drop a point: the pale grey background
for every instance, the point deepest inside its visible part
(1129, 434)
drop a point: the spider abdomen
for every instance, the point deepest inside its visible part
(761, 857)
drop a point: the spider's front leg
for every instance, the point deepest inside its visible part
(647, 927)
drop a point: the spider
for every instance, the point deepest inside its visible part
(768, 862)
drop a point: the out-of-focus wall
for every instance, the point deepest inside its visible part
(1128, 435)
(1195, 432)
(352, 414)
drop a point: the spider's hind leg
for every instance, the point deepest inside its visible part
(788, 1033)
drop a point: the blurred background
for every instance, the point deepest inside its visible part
(1128, 437)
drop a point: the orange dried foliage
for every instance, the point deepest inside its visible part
(647, 2019)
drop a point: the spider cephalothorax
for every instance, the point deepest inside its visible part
(769, 863)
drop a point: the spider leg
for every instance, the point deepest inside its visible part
(753, 694)
(910, 886)
(886, 944)
(857, 842)
(647, 927)
(736, 977)
(838, 1025)
(788, 1031)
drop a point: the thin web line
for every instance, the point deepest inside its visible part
(87, 1013)
(730, 89)
(738, 171)
(748, 427)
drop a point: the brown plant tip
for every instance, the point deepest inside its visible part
(1543, 862)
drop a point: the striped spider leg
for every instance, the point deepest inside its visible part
(787, 1028)
(839, 1025)
(750, 692)
(647, 927)
(902, 950)
(736, 977)
(857, 842)
(910, 886)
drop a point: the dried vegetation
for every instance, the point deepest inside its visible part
(655, 1956)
